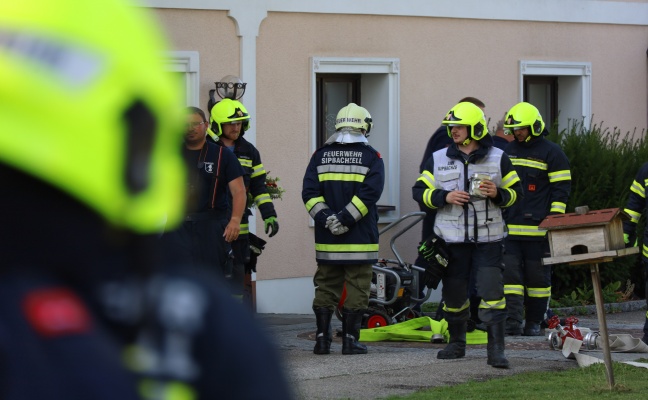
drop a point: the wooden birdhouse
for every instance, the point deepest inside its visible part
(585, 235)
(589, 237)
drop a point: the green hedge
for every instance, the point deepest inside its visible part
(603, 165)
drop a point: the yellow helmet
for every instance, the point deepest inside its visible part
(353, 116)
(227, 110)
(107, 126)
(524, 115)
(470, 115)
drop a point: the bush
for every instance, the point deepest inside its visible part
(584, 295)
(603, 165)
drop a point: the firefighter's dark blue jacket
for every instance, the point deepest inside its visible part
(544, 171)
(637, 205)
(254, 180)
(346, 179)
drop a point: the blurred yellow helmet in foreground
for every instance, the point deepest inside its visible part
(86, 106)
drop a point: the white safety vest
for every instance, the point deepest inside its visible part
(451, 223)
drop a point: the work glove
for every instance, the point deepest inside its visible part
(434, 251)
(630, 240)
(271, 226)
(335, 226)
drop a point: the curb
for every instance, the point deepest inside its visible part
(627, 306)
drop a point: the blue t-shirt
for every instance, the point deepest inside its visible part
(211, 165)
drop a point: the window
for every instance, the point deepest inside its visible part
(562, 91)
(372, 83)
(186, 65)
(334, 91)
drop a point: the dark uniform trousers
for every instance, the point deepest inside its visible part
(240, 257)
(485, 260)
(524, 268)
(329, 280)
(200, 239)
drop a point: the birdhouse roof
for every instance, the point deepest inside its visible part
(574, 220)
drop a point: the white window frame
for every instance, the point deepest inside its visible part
(558, 69)
(390, 120)
(187, 62)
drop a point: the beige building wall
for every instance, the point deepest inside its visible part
(441, 59)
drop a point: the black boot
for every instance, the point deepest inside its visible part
(351, 322)
(456, 347)
(495, 347)
(324, 335)
(513, 327)
(532, 328)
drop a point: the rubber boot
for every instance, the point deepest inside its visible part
(495, 346)
(532, 328)
(456, 347)
(536, 312)
(351, 321)
(324, 335)
(513, 327)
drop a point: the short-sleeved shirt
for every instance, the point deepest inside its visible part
(204, 166)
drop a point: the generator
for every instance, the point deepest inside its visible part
(394, 285)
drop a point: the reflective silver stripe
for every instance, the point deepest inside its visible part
(317, 208)
(637, 188)
(427, 178)
(344, 169)
(523, 162)
(456, 310)
(510, 179)
(526, 230)
(257, 170)
(262, 198)
(539, 292)
(558, 176)
(558, 207)
(325, 255)
(634, 216)
(517, 290)
(67, 60)
(245, 162)
(495, 304)
(353, 211)
(356, 208)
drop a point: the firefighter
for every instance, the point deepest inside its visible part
(638, 205)
(212, 221)
(467, 184)
(544, 171)
(440, 140)
(229, 121)
(341, 186)
(88, 179)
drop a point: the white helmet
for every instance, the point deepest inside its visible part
(353, 116)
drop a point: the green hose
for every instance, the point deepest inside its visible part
(417, 330)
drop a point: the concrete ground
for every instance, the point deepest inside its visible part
(401, 368)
